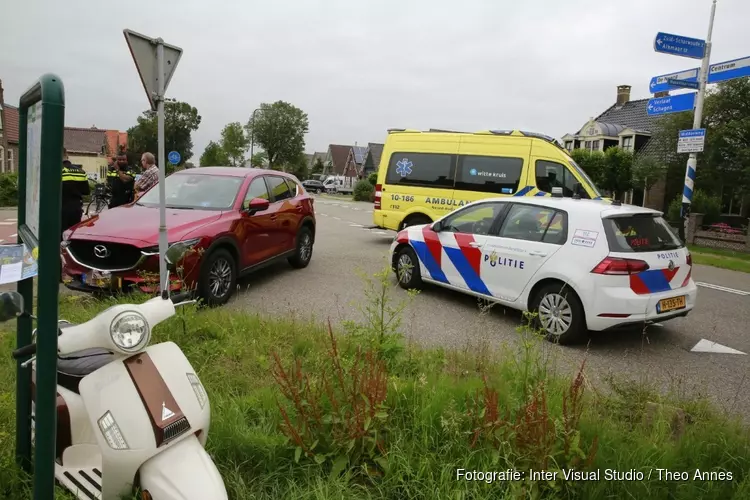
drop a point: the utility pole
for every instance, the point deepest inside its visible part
(692, 163)
(159, 98)
(252, 135)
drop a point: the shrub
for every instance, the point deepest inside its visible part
(703, 203)
(373, 178)
(9, 189)
(362, 190)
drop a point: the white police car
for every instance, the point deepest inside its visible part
(580, 264)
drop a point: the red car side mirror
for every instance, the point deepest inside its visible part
(257, 205)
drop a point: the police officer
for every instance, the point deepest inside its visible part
(75, 185)
(111, 173)
(121, 183)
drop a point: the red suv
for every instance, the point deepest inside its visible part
(235, 219)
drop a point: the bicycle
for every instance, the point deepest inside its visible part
(99, 200)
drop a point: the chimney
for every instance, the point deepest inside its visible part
(663, 93)
(623, 94)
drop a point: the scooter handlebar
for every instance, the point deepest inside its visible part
(22, 352)
(180, 297)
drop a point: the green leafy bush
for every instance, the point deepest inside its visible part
(362, 190)
(8, 190)
(373, 178)
(703, 203)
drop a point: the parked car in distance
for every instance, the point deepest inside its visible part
(314, 186)
(235, 220)
(578, 265)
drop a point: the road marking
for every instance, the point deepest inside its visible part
(7, 223)
(337, 218)
(355, 225)
(13, 235)
(722, 288)
(369, 211)
(709, 346)
(381, 232)
(12, 220)
(355, 208)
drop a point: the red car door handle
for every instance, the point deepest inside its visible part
(274, 217)
(300, 208)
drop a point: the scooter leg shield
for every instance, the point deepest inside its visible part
(184, 471)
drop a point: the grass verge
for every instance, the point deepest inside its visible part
(725, 259)
(302, 413)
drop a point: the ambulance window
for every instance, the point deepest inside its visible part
(489, 174)
(550, 174)
(421, 169)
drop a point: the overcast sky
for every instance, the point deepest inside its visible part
(359, 67)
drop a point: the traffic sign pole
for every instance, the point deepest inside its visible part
(692, 163)
(162, 170)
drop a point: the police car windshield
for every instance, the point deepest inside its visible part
(640, 233)
(193, 191)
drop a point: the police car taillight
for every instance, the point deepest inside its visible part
(618, 266)
(378, 195)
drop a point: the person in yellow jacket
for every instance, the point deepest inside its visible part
(75, 185)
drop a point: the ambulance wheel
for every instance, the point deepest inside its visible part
(559, 314)
(407, 269)
(415, 220)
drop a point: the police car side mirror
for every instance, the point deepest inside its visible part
(437, 226)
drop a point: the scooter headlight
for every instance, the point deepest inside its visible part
(129, 331)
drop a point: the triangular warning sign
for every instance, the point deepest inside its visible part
(143, 50)
(166, 413)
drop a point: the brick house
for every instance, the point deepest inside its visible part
(625, 124)
(8, 135)
(92, 147)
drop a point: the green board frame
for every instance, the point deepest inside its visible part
(39, 183)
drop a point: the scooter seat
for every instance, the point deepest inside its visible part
(76, 365)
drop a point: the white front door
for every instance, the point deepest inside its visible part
(529, 236)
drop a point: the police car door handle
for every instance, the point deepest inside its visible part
(536, 253)
(474, 244)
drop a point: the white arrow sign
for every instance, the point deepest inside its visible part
(143, 50)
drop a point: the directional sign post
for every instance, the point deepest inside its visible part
(691, 141)
(677, 45)
(174, 157)
(156, 62)
(671, 104)
(684, 84)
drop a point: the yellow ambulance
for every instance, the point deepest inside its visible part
(424, 175)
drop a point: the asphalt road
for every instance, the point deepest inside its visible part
(331, 287)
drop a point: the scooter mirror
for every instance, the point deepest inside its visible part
(11, 305)
(175, 253)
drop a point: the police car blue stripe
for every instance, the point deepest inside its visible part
(429, 262)
(524, 191)
(655, 280)
(473, 281)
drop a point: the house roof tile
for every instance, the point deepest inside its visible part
(11, 123)
(338, 156)
(84, 140)
(375, 150)
(632, 114)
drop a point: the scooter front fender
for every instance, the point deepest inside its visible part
(182, 472)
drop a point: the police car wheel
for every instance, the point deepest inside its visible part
(559, 314)
(407, 269)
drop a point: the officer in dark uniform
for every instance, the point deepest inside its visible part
(111, 173)
(121, 183)
(75, 185)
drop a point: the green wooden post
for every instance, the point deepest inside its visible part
(42, 121)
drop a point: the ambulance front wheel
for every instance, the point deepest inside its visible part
(407, 269)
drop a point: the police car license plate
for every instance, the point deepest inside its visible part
(671, 304)
(97, 278)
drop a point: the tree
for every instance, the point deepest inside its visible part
(280, 129)
(646, 173)
(234, 143)
(259, 159)
(617, 176)
(298, 168)
(317, 166)
(180, 121)
(592, 162)
(214, 156)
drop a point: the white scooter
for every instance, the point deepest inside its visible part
(128, 414)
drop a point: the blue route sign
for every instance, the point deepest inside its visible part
(174, 157)
(661, 83)
(684, 84)
(677, 45)
(719, 72)
(671, 104)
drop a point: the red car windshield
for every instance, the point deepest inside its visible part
(191, 191)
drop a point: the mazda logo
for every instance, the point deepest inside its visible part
(671, 265)
(101, 251)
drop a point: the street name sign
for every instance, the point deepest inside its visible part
(719, 72)
(671, 104)
(678, 45)
(691, 141)
(143, 50)
(683, 84)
